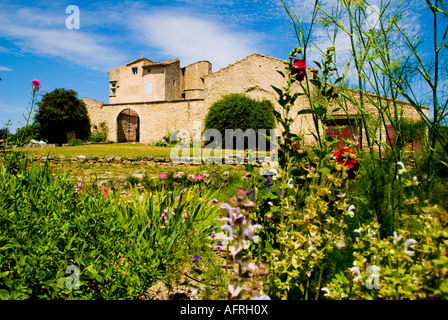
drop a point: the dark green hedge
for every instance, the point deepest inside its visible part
(237, 111)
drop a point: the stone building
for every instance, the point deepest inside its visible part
(148, 100)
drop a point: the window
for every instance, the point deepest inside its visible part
(148, 88)
(113, 88)
(134, 71)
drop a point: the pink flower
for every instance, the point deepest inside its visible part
(104, 192)
(35, 85)
(162, 175)
(198, 177)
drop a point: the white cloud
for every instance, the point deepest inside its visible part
(44, 33)
(194, 38)
(5, 69)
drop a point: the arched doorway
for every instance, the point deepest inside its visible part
(128, 125)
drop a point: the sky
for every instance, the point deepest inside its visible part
(42, 40)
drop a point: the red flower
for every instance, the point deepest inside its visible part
(162, 175)
(104, 192)
(198, 177)
(347, 157)
(299, 69)
(294, 146)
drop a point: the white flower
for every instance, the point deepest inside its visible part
(194, 291)
(290, 185)
(402, 170)
(350, 211)
(327, 292)
(310, 248)
(357, 271)
(371, 234)
(273, 173)
(407, 244)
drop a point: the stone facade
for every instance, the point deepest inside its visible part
(149, 100)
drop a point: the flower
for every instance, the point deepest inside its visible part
(198, 177)
(299, 69)
(289, 183)
(347, 157)
(35, 84)
(196, 258)
(79, 186)
(350, 211)
(357, 271)
(402, 170)
(327, 292)
(104, 192)
(407, 244)
(213, 234)
(163, 175)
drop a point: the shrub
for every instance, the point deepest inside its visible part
(25, 134)
(237, 111)
(97, 138)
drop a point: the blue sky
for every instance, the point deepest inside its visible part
(35, 43)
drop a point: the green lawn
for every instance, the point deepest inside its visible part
(128, 150)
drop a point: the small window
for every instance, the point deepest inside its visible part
(148, 71)
(134, 71)
(174, 82)
(113, 88)
(148, 88)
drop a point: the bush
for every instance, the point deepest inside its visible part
(60, 112)
(97, 138)
(237, 111)
(25, 134)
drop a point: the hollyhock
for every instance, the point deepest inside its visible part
(299, 69)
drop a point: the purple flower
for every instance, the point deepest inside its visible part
(195, 258)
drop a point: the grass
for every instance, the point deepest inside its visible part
(129, 150)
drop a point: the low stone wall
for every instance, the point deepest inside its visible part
(149, 160)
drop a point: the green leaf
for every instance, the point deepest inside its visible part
(4, 294)
(4, 274)
(324, 170)
(305, 111)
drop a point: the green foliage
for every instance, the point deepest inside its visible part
(97, 138)
(120, 247)
(60, 112)
(237, 111)
(99, 133)
(25, 134)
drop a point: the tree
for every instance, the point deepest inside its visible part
(61, 112)
(237, 111)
